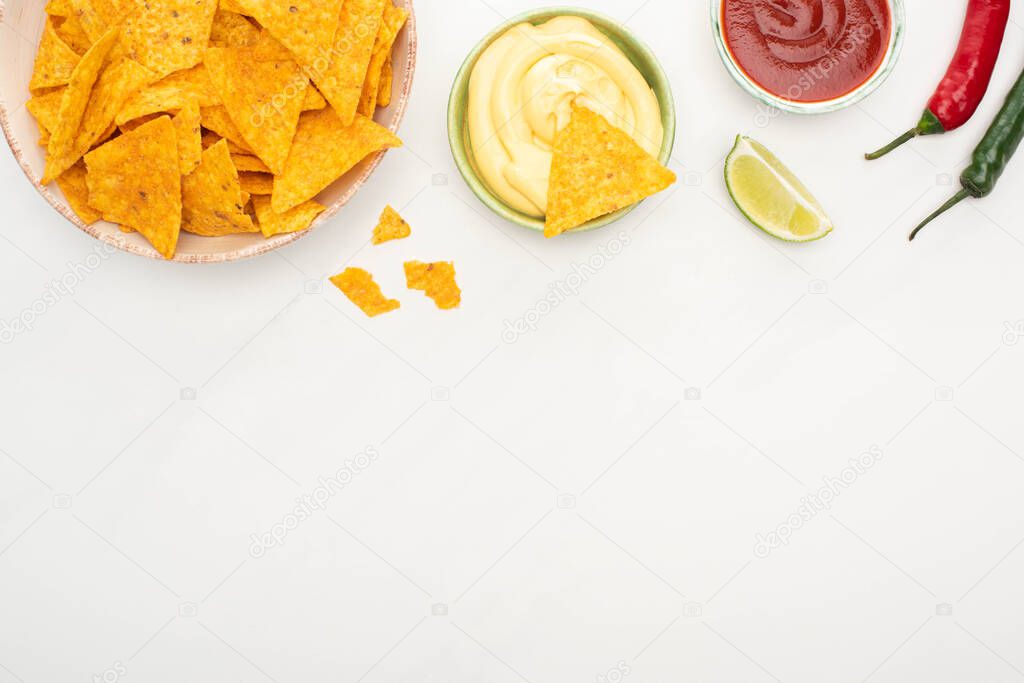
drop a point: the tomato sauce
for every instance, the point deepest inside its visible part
(808, 50)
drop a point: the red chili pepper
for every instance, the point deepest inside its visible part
(966, 82)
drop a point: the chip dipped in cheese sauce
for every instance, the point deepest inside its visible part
(521, 94)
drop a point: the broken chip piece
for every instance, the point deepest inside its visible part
(436, 280)
(359, 287)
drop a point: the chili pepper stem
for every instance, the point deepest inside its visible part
(959, 197)
(898, 142)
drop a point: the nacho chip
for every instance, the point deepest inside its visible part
(76, 191)
(190, 141)
(390, 227)
(169, 35)
(171, 94)
(263, 99)
(55, 61)
(73, 106)
(436, 280)
(211, 197)
(114, 86)
(293, 220)
(324, 150)
(232, 30)
(359, 287)
(45, 109)
(394, 20)
(71, 32)
(387, 84)
(247, 162)
(597, 169)
(219, 121)
(305, 27)
(341, 74)
(261, 184)
(135, 181)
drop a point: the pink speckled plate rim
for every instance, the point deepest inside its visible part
(401, 103)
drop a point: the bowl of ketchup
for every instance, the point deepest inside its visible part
(809, 56)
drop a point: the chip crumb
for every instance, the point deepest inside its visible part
(359, 287)
(436, 280)
(390, 227)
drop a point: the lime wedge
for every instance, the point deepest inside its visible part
(770, 196)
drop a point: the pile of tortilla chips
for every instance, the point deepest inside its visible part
(216, 117)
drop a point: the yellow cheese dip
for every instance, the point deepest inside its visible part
(521, 93)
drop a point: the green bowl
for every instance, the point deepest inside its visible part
(458, 130)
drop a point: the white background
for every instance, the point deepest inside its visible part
(582, 501)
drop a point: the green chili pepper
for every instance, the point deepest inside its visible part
(992, 154)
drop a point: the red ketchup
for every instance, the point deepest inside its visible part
(808, 50)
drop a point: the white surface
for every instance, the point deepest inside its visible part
(126, 512)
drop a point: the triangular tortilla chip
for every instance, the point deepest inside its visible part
(71, 32)
(391, 226)
(55, 61)
(189, 131)
(46, 109)
(169, 35)
(211, 197)
(359, 287)
(135, 181)
(73, 106)
(341, 74)
(76, 191)
(113, 88)
(387, 84)
(293, 220)
(306, 27)
(597, 169)
(263, 99)
(171, 94)
(394, 20)
(324, 150)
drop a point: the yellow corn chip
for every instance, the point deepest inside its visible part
(55, 61)
(313, 100)
(46, 109)
(73, 106)
(293, 220)
(99, 16)
(387, 84)
(169, 35)
(261, 184)
(340, 74)
(597, 169)
(436, 280)
(305, 27)
(76, 191)
(359, 287)
(73, 34)
(219, 121)
(324, 150)
(394, 20)
(232, 30)
(171, 94)
(189, 131)
(246, 162)
(114, 86)
(390, 227)
(263, 99)
(135, 180)
(211, 197)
